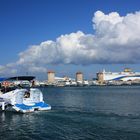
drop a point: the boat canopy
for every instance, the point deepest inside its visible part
(3, 79)
(28, 78)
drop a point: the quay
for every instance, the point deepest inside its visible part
(126, 77)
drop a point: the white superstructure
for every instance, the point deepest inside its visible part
(23, 100)
(126, 75)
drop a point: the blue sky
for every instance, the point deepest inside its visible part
(29, 22)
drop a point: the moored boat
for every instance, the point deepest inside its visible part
(23, 100)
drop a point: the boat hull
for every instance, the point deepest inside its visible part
(18, 101)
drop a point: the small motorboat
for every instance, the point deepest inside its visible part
(23, 100)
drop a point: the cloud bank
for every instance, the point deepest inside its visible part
(116, 39)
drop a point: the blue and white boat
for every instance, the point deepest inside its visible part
(23, 100)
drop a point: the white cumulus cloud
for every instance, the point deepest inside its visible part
(116, 39)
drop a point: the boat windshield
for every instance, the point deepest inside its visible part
(27, 94)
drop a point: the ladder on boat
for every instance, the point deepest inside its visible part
(2, 104)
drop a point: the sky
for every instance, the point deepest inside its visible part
(68, 36)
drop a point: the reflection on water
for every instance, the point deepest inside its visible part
(103, 113)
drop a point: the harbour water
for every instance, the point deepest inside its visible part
(79, 113)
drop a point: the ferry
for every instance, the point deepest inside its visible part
(126, 75)
(23, 100)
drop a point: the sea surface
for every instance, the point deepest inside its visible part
(79, 113)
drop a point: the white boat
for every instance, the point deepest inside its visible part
(23, 100)
(126, 75)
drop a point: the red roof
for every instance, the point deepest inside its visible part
(50, 71)
(79, 72)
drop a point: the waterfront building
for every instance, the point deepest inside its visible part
(79, 77)
(100, 77)
(51, 77)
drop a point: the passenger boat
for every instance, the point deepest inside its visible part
(23, 100)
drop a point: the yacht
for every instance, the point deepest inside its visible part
(23, 100)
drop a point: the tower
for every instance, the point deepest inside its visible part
(51, 77)
(79, 77)
(100, 77)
